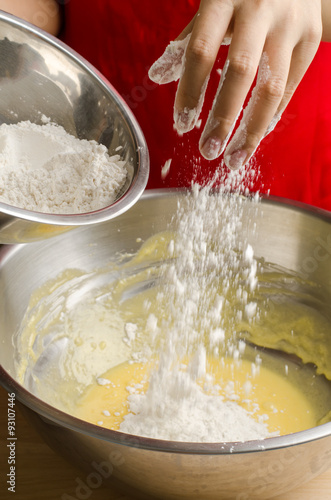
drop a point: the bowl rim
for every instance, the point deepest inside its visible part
(62, 419)
(139, 182)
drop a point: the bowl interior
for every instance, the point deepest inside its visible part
(289, 237)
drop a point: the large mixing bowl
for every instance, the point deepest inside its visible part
(42, 77)
(290, 235)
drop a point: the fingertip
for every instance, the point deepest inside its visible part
(184, 121)
(154, 74)
(211, 148)
(236, 160)
(168, 68)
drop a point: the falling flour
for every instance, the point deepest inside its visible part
(45, 169)
(210, 260)
(194, 416)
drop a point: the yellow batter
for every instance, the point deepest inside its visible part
(286, 408)
(85, 340)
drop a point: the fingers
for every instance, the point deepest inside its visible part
(279, 38)
(302, 56)
(280, 72)
(210, 27)
(168, 68)
(250, 31)
(262, 106)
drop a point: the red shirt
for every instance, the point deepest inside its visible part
(123, 38)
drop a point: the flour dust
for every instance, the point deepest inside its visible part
(211, 261)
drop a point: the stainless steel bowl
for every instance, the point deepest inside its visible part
(39, 75)
(294, 236)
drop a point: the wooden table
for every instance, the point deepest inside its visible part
(43, 475)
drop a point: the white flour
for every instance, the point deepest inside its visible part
(191, 416)
(45, 169)
(169, 67)
(211, 261)
(166, 169)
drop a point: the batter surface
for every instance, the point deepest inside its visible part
(88, 340)
(269, 396)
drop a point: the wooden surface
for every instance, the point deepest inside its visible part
(42, 475)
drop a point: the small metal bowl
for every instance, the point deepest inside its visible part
(41, 76)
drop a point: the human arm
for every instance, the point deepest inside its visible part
(43, 13)
(326, 20)
(280, 37)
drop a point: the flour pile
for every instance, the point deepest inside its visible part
(212, 267)
(45, 169)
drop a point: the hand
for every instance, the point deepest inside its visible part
(277, 39)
